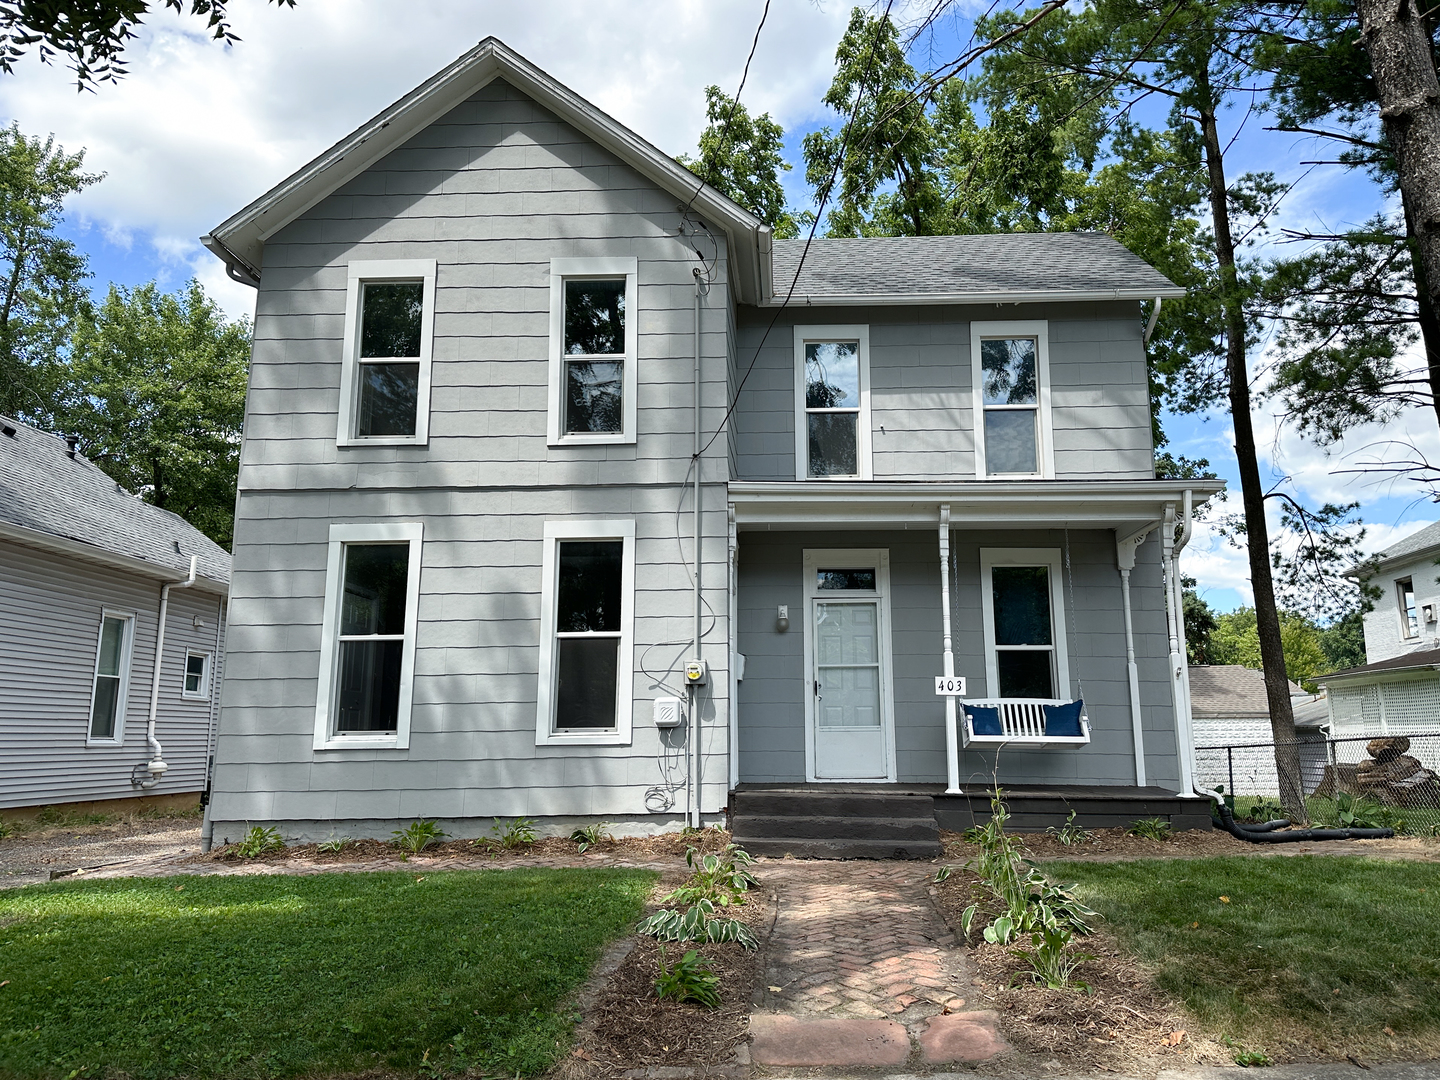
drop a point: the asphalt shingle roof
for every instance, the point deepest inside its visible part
(1230, 690)
(43, 489)
(1000, 264)
(1428, 537)
(1418, 659)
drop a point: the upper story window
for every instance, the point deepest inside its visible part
(593, 367)
(112, 678)
(1022, 611)
(385, 381)
(1409, 621)
(832, 397)
(1010, 366)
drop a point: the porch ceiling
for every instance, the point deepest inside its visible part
(818, 504)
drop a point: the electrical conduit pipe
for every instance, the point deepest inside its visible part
(156, 768)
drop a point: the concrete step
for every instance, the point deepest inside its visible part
(748, 826)
(837, 804)
(812, 848)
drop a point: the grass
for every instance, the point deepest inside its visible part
(285, 976)
(1330, 951)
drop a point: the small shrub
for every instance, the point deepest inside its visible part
(1051, 964)
(510, 835)
(1070, 833)
(334, 844)
(5, 829)
(591, 835)
(696, 924)
(1265, 809)
(1354, 813)
(720, 879)
(688, 979)
(417, 836)
(1150, 828)
(258, 841)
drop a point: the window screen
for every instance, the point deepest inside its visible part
(588, 617)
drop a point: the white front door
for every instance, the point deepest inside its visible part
(848, 662)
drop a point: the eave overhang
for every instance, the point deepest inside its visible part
(79, 549)
(1034, 296)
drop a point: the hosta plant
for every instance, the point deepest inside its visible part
(720, 879)
(417, 836)
(688, 979)
(258, 841)
(698, 923)
(591, 835)
(510, 834)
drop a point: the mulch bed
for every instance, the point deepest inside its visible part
(1113, 843)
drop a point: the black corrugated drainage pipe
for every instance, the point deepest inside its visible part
(1265, 834)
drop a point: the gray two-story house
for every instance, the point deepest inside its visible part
(569, 492)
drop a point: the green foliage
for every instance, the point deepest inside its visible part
(42, 291)
(333, 845)
(1052, 962)
(5, 828)
(259, 841)
(1352, 812)
(1247, 1059)
(510, 834)
(688, 979)
(417, 836)
(249, 976)
(155, 390)
(721, 879)
(1235, 640)
(741, 156)
(1343, 641)
(1258, 810)
(1200, 624)
(1071, 833)
(1150, 828)
(590, 835)
(698, 923)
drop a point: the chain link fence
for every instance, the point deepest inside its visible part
(1390, 781)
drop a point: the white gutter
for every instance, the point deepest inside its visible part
(952, 741)
(1179, 668)
(1018, 296)
(695, 777)
(733, 552)
(207, 824)
(62, 545)
(157, 765)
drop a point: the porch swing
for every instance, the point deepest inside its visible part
(1039, 723)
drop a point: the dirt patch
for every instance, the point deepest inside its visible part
(30, 856)
(1112, 845)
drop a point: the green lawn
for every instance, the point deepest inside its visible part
(261, 976)
(1331, 949)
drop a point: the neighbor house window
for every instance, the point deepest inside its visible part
(1409, 624)
(586, 668)
(112, 678)
(832, 394)
(593, 368)
(367, 651)
(385, 382)
(197, 675)
(1010, 367)
(1021, 609)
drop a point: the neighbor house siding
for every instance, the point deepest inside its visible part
(922, 427)
(50, 612)
(1383, 624)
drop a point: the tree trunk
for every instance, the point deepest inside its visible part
(1428, 315)
(1267, 618)
(1397, 38)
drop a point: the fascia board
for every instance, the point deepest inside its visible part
(1388, 675)
(61, 545)
(1038, 296)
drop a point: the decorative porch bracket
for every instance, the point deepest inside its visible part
(952, 736)
(1125, 550)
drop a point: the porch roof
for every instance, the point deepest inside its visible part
(851, 504)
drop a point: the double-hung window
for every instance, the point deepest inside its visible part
(1409, 623)
(385, 381)
(593, 336)
(196, 682)
(112, 678)
(1010, 369)
(586, 626)
(832, 402)
(1023, 617)
(367, 645)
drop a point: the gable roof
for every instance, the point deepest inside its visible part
(1423, 542)
(51, 500)
(1420, 658)
(1226, 690)
(240, 240)
(976, 268)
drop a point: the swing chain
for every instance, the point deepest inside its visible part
(1070, 613)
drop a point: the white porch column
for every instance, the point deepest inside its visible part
(952, 736)
(1175, 624)
(1125, 549)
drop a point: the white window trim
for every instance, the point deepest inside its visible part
(560, 270)
(1048, 557)
(812, 560)
(360, 272)
(622, 529)
(122, 700)
(1039, 329)
(1405, 632)
(805, 335)
(204, 692)
(326, 737)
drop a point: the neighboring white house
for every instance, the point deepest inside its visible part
(85, 570)
(1233, 737)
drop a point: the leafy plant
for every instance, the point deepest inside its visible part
(259, 841)
(718, 878)
(1150, 828)
(696, 924)
(1071, 833)
(591, 835)
(510, 834)
(942, 875)
(417, 836)
(334, 844)
(5, 829)
(1247, 1059)
(1356, 813)
(688, 979)
(1051, 964)
(1265, 809)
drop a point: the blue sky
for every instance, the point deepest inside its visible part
(197, 131)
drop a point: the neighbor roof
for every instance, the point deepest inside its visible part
(49, 499)
(1420, 658)
(980, 268)
(1417, 543)
(1229, 690)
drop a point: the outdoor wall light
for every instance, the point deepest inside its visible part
(782, 620)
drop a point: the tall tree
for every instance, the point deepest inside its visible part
(742, 157)
(155, 391)
(41, 274)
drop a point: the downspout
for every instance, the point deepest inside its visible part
(695, 777)
(207, 824)
(1186, 531)
(952, 741)
(1179, 673)
(157, 765)
(1150, 326)
(734, 704)
(1125, 551)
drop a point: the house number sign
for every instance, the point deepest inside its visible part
(950, 685)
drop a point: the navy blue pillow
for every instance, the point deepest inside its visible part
(984, 720)
(1063, 720)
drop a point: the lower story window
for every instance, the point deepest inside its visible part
(112, 670)
(1025, 646)
(197, 675)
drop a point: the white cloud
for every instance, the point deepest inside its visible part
(196, 131)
